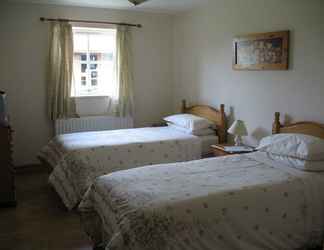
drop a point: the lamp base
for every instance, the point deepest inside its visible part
(238, 141)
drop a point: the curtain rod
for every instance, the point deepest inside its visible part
(43, 19)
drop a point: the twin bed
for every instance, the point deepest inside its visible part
(251, 201)
(77, 159)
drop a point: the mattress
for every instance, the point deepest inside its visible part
(81, 157)
(237, 202)
(206, 142)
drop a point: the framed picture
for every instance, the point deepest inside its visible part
(262, 51)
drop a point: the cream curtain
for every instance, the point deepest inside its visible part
(124, 71)
(60, 68)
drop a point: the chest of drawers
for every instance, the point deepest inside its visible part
(7, 184)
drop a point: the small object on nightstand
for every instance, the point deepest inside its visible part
(238, 129)
(223, 149)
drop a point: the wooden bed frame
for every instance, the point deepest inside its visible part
(307, 128)
(216, 116)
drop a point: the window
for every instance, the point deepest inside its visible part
(94, 61)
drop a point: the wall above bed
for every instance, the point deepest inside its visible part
(203, 61)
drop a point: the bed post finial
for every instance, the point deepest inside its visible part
(222, 108)
(222, 133)
(184, 106)
(276, 125)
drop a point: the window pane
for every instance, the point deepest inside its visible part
(83, 68)
(103, 42)
(94, 74)
(94, 82)
(93, 66)
(108, 57)
(83, 57)
(80, 42)
(93, 57)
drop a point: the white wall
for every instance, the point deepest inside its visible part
(203, 61)
(200, 43)
(23, 54)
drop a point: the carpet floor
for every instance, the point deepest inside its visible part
(40, 221)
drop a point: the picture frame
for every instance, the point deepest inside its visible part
(261, 51)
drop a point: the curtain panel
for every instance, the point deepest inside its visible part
(60, 69)
(124, 72)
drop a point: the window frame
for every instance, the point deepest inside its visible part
(88, 29)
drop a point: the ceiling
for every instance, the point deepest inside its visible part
(163, 6)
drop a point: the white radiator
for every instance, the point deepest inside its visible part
(92, 123)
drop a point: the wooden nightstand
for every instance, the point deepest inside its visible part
(218, 150)
(159, 124)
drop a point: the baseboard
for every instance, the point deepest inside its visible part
(32, 168)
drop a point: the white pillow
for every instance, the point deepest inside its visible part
(199, 132)
(299, 146)
(188, 121)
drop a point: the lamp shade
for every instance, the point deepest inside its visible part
(238, 128)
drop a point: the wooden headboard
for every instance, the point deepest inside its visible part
(307, 128)
(216, 116)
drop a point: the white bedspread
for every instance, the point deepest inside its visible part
(81, 157)
(239, 202)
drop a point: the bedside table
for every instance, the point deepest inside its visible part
(218, 150)
(159, 124)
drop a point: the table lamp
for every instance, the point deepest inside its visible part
(238, 129)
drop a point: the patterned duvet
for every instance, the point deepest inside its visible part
(239, 202)
(79, 158)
